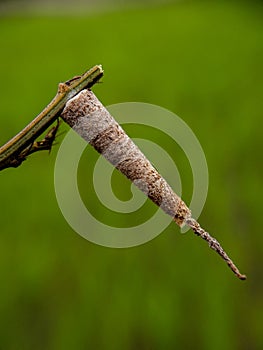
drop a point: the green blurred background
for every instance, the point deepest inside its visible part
(203, 61)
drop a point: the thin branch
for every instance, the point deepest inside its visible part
(91, 120)
(15, 151)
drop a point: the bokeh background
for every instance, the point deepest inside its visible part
(203, 61)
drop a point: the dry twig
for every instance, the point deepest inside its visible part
(16, 150)
(90, 119)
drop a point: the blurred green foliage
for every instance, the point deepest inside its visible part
(203, 61)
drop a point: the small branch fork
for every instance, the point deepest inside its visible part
(15, 151)
(91, 120)
(43, 145)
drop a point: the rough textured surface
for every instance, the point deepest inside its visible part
(90, 119)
